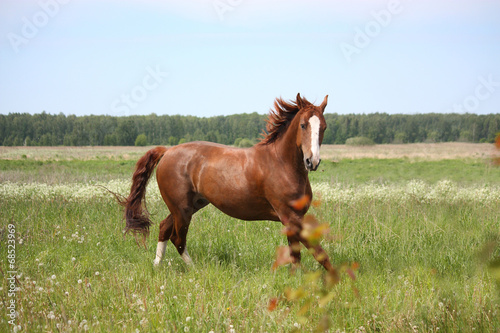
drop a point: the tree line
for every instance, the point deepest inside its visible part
(43, 129)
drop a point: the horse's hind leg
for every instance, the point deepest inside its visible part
(179, 233)
(193, 203)
(166, 228)
(175, 227)
(178, 236)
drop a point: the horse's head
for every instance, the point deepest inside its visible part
(312, 126)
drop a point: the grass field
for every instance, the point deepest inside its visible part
(423, 230)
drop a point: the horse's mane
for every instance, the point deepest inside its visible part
(280, 117)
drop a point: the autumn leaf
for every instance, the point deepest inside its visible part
(301, 203)
(324, 324)
(313, 231)
(282, 257)
(355, 291)
(332, 278)
(287, 231)
(303, 310)
(313, 276)
(273, 302)
(293, 294)
(325, 299)
(350, 272)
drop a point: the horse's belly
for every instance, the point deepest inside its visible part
(248, 211)
(242, 207)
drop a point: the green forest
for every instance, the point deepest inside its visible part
(43, 129)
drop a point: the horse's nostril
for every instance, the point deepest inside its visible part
(308, 163)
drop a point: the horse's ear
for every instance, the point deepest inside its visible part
(299, 101)
(323, 105)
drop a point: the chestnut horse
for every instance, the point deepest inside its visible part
(257, 183)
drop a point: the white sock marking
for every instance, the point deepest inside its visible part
(160, 251)
(187, 259)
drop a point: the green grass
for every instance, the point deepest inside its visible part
(420, 268)
(55, 172)
(463, 171)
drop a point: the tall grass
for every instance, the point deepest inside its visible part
(419, 238)
(419, 268)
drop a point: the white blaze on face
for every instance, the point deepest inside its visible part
(314, 122)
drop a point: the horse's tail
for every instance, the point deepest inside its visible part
(136, 213)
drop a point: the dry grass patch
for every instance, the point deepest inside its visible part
(418, 151)
(72, 153)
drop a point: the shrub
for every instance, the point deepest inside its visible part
(359, 141)
(237, 142)
(245, 143)
(172, 141)
(141, 140)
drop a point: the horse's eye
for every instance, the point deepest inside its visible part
(303, 126)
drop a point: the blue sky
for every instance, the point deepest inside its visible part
(221, 57)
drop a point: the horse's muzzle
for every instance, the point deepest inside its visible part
(310, 166)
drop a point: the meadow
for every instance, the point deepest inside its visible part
(421, 233)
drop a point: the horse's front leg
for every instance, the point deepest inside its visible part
(293, 232)
(294, 244)
(319, 254)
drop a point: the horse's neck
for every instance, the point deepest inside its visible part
(288, 151)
